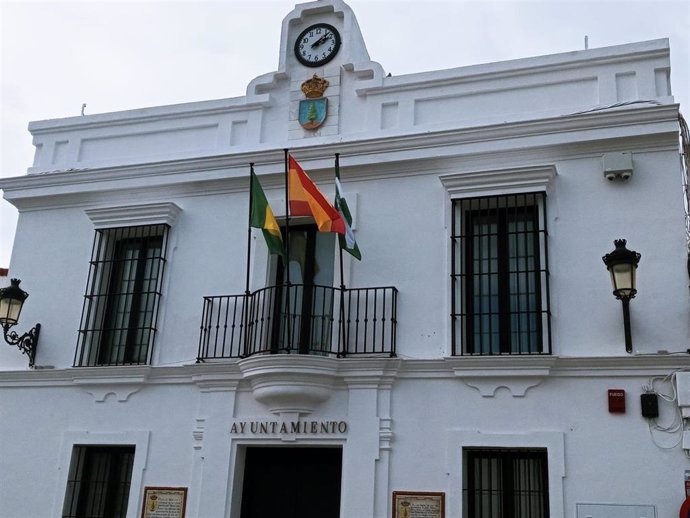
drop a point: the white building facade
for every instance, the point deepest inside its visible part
(466, 359)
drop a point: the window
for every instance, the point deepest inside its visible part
(122, 295)
(308, 312)
(505, 483)
(500, 281)
(99, 482)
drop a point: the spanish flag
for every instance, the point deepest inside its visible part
(307, 200)
(262, 217)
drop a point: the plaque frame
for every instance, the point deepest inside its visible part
(434, 496)
(150, 491)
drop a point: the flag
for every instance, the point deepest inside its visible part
(307, 200)
(262, 217)
(347, 241)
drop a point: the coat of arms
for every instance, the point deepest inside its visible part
(313, 109)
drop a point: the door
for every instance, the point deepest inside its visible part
(292, 483)
(305, 312)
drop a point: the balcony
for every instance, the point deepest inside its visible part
(299, 319)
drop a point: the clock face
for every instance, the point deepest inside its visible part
(317, 45)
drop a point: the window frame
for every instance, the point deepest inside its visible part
(552, 441)
(304, 335)
(100, 475)
(115, 289)
(112, 219)
(139, 439)
(503, 486)
(464, 182)
(513, 327)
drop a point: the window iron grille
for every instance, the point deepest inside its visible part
(506, 483)
(500, 295)
(99, 482)
(118, 322)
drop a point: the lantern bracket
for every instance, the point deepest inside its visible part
(26, 343)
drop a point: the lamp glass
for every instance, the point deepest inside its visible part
(9, 310)
(623, 279)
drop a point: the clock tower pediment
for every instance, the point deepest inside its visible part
(320, 39)
(335, 20)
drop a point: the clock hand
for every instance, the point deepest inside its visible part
(321, 40)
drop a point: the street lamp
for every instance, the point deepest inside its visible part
(622, 264)
(11, 301)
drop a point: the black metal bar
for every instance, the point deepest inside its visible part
(86, 308)
(545, 274)
(371, 306)
(225, 327)
(287, 249)
(249, 244)
(394, 320)
(626, 325)
(342, 350)
(453, 280)
(348, 320)
(249, 226)
(203, 332)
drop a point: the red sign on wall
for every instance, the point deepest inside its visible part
(617, 401)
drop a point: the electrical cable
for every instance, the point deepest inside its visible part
(677, 424)
(685, 168)
(618, 105)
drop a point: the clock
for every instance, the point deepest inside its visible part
(317, 45)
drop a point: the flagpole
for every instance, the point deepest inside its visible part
(287, 252)
(343, 347)
(337, 199)
(249, 225)
(249, 251)
(287, 219)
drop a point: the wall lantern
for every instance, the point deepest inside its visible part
(11, 301)
(622, 264)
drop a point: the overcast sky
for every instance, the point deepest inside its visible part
(117, 55)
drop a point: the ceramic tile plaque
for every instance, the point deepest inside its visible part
(164, 502)
(418, 504)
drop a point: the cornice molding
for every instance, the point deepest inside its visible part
(148, 115)
(515, 180)
(520, 67)
(134, 215)
(363, 152)
(376, 370)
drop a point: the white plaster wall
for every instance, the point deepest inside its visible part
(606, 458)
(403, 231)
(609, 458)
(586, 214)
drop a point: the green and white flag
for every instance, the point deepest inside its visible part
(347, 241)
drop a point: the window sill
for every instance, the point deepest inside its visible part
(121, 382)
(487, 374)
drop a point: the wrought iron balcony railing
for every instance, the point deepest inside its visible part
(299, 319)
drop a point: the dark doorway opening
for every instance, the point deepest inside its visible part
(292, 483)
(303, 317)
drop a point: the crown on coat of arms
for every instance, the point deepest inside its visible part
(314, 87)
